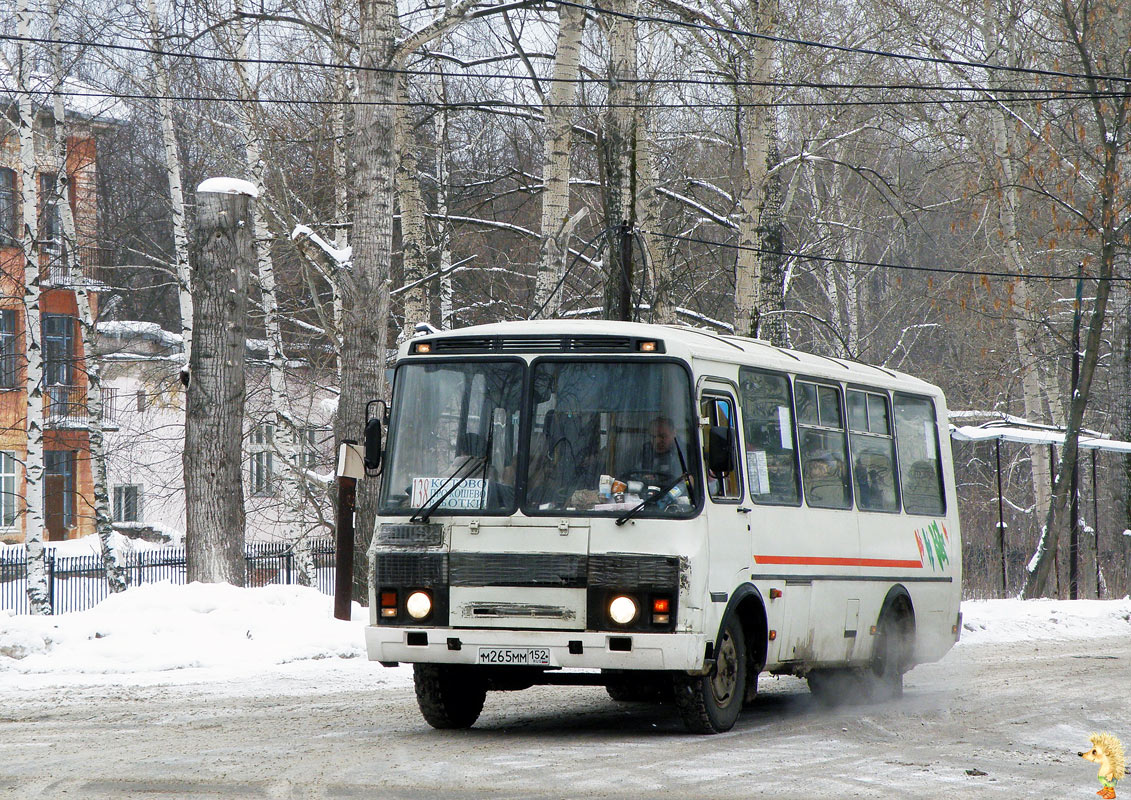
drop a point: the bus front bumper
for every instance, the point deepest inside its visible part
(576, 649)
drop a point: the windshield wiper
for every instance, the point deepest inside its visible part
(652, 498)
(429, 506)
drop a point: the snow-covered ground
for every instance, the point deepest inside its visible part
(164, 633)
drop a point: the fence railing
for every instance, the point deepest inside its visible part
(55, 267)
(64, 405)
(76, 583)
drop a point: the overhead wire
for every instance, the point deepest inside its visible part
(976, 273)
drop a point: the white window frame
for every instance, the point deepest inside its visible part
(9, 490)
(117, 495)
(261, 464)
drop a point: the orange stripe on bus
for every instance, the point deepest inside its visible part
(825, 561)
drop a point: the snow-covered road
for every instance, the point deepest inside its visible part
(1003, 715)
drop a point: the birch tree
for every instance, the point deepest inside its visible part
(557, 144)
(115, 571)
(39, 601)
(173, 176)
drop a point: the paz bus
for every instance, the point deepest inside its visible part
(660, 510)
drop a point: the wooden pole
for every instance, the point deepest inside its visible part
(1000, 518)
(343, 563)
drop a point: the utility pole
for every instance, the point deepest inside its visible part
(1074, 536)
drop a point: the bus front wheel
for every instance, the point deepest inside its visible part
(711, 703)
(449, 696)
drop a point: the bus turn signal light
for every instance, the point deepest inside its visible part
(388, 604)
(647, 347)
(422, 347)
(661, 605)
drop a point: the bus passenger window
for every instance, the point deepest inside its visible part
(721, 431)
(824, 451)
(920, 468)
(767, 422)
(873, 451)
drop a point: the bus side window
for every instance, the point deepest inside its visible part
(920, 468)
(823, 446)
(767, 423)
(873, 451)
(721, 430)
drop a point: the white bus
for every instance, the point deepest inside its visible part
(660, 510)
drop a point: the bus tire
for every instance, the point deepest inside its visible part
(711, 703)
(449, 696)
(892, 655)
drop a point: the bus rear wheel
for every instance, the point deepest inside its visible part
(450, 696)
(711, 703)
(895, 635)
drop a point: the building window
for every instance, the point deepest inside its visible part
(59, 491)
(262, 460)
(50, 228)
(127, 503)
(142, 401)
(7, 207)
(109, 403)
(58, 349)
(9, 497)
(310, 454)
(9, 350)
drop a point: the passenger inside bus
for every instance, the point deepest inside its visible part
(566, 468)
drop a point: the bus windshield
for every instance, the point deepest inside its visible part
(454, 419)
(606, 435)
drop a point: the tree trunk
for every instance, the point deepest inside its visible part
(39, 601)
(115, 571)
(756, 132)
(556, 163)
(619, 162)
(365, 290)
(173, 174)
(414, 255)
(214, 414)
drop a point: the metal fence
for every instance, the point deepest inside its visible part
(76, 583)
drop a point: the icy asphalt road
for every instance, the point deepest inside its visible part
(987, 721)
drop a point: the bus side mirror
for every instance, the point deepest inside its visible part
(374, 430)
(373, 452)
(720, 449)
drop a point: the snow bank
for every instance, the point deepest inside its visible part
(1008, 621)
(158, 627)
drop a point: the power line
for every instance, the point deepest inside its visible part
(718, 82)
(955, 62)
(977, 273)
(486, 104)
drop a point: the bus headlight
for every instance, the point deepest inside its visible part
(623, 610)
(418, 605)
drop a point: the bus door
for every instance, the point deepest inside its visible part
(728, 515)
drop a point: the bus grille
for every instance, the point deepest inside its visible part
(526, 569)
(411, 569)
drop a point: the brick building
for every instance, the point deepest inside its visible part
(68, 493)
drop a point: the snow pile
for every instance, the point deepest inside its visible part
(1008, 621)
(159, 627)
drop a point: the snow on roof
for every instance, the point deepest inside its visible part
(1034, 434)
(79, 98)
(228, 186)
(134, 329)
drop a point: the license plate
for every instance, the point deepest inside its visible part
(518, 656)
